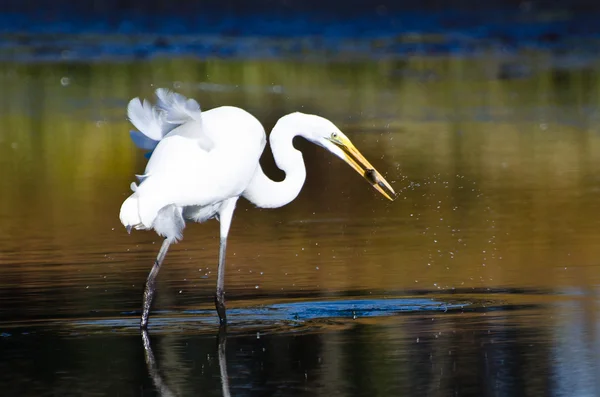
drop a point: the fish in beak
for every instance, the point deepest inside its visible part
(361, 165)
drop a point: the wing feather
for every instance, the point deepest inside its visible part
(172, 112)
(146, 118)
(178, 108)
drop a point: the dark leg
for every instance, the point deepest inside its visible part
(220, 295)
(225, 217)
(150, 283)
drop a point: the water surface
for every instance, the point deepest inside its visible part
(481, 279)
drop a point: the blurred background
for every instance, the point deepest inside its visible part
(481, 279)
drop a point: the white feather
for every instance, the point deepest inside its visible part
(129, 214)
(195, 131)
(178, 109)
(191, 167)
(171, 112)
(169, 222)
(148, 119)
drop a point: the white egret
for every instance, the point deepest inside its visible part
(203, 161)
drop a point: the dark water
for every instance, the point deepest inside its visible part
(480, 280)
(496, 345)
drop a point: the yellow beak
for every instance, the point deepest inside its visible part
(360, 164)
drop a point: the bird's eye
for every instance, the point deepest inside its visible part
(334, 135)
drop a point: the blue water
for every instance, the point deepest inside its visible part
(58, 31)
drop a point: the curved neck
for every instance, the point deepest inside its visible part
(265, 192)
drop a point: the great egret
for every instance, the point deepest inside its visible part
(202, 162)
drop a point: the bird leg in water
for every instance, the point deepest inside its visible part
(151, 283)
(220, 295)
(225, 217)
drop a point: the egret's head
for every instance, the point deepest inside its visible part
(324, 133)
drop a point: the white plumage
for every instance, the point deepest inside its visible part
(203, 161)
(190, 164)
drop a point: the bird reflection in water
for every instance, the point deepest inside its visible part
(162, 388)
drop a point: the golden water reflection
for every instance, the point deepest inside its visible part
(497, 179)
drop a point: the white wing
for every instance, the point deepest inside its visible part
(201, 162)
(171, 112)
(178, 109)
(148, 119)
